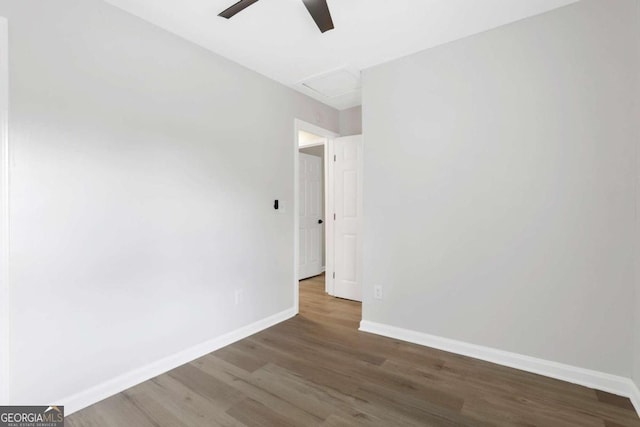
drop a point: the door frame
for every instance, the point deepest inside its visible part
(5, 291)
(301, 125)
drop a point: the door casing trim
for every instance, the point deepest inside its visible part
(301, 125)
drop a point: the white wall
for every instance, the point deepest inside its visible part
(144, 174)
(351, 121)
(4, 214)
(498, 189)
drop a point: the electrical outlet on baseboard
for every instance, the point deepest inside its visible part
(377, 292)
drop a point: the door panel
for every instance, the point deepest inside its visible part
(348, 223)
(311, 231)
(350, 201)
(350, 243)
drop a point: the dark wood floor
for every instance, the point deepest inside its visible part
(317, 369)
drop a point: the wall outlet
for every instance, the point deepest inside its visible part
(377, 292)
(239, 296)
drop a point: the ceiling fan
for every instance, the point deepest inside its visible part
(317, 8)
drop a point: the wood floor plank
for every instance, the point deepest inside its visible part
(254, 386)
(206, 385)
(612, 399)
(338, 421)
(315, 399)
(317, 369)
(151, 399)
(242, 356)
(192, 406)
(116, 411)
(254, 414)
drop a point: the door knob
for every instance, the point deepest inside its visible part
(320, 221)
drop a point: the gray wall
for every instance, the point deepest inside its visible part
(144, 173)
(636, 357)
(499, 179)
(351, 121)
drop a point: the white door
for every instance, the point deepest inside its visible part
(311, 216)
(348, 220)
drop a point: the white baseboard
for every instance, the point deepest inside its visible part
(116, 385)
(635, 397)
(618, 385)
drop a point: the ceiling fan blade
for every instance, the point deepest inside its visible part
(320, 13)
(238, 7)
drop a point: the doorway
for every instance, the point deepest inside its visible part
(314, 142)
(328, 239)
(312, 257)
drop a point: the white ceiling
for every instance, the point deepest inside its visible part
(279, 39)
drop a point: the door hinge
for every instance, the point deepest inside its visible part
(334, 274)
(334, 217)
(334, 157)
